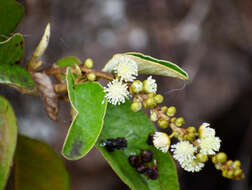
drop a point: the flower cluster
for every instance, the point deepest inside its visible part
(194, 148)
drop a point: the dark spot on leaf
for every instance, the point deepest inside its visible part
(76, 149)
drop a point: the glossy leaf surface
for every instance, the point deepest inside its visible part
(89, 103)
(120, 121)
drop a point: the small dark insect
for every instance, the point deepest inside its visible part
(150, 139)
(142, 169)
(151, 173)
(146, 155)
(135, 160)
(118, 143)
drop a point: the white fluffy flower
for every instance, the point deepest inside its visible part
(183, 151)
(192, 166)
(209, 145)
(150, 85)
(205, 131)
(161, 141)
(126, 68)
(117, 92)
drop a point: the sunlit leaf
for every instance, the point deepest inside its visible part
(89, 103)
(37, 166)
(120, 121)
(149, 65)
(68, 61)
(8, 137)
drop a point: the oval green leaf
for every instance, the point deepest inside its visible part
(11, 13)
(89, 103)
(8, 138)
(11, 52)
(149, 65)
(120, 121)
(68, 61)
(38, 166)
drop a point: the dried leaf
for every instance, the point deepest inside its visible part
(50, 99)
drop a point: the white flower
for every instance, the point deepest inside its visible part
(183, 151)
(150, 85)
(161, 141)
(126, 68)
(205, 131)
(116, 92)
(209, 145)
(192, 166)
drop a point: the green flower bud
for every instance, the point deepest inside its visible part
(236, 164)
(217, 166)
(230, 174)
(171, 111)
(238, 172)
(91, 76)
(229, 163)
(202, 157)
(179, 121)
(191, 129)
(214, 160)
(164, 109)
(158, 98)
(191, 136)
(221, 157)
(224, 173)
(173, 119)
(89, 63)
(136, 106)
(136, 87)
(162, 123)
(150, 103)
(153, 116)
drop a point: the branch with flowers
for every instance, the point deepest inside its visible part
(110, 118)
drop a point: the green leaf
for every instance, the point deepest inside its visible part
(8, 138)
(149, 65)
(68, 61)
(11, 13)
(11, 52)
(120, 121)
(38, 166)
(89, 103)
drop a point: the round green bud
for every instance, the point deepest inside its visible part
(150, 103)
(214, 160)
(164, 109)
(91, 76)
(191, 136)
(217, 166)
(89, 63)
(153, 116)
(202, 157)
(136, 106)
(173, 119)
(191, 129)
(221, 157)
(238, 172)
(224, 173)
(179, 121)
(229, 163)
(162, 123)
(136, 87)
(158, 98)
(236, 164)
(151, 95)
(230, 173)
(171, 111)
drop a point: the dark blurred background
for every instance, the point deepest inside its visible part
(210, 39)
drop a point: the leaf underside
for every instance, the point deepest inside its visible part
(149, 65)
(120, 121)
(89, 103)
